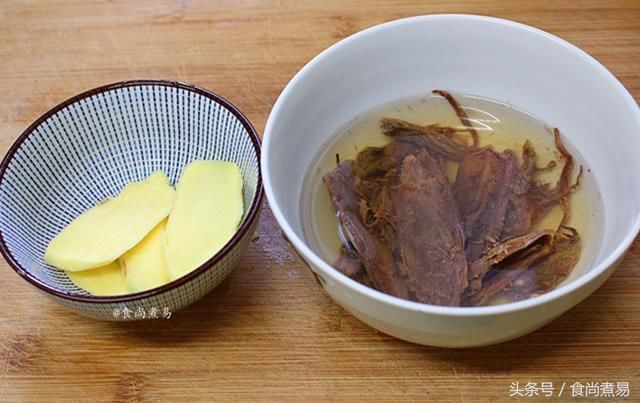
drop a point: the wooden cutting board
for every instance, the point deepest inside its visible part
(268, 332)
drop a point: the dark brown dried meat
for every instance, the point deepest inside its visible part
(429, 234)
(482, 187)
(435, 139)
(531, 200)
(512, 265)
(375, 166)
(408, 232)
(351, 266)
(549, 272)
(462, 115)
(502, 251)
(375, 256)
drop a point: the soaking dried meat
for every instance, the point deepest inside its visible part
(410, 231)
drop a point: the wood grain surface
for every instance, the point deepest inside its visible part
(268, 333)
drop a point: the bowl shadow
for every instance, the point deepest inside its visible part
(191, 322)
(562, 339)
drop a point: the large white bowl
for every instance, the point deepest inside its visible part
(495, 58)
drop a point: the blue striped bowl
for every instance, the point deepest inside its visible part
(87, 149)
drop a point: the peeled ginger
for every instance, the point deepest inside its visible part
(207, 210)
(143, 266)
(103, 233)
(106, 281)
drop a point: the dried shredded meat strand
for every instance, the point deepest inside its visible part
(432, 138)
(531, 200)
(564, 188)
(462, 115)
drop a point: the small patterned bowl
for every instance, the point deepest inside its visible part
(87, 149)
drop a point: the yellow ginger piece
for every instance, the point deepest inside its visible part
(205, 216)
(143, 265)
(103, 233)
(102, 281)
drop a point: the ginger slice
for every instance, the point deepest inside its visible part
(205, 215)
(102, 281)
(103, 233)
(144, 265)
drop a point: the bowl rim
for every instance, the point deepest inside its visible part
(380, 297)
(239, 234)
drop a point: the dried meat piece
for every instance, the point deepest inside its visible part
(482, 187)
(437, 140)
(375, 256)
(410, 238)
(375, 165)
(519, 216)
(500, 252)
(531, 200)
(429, 234)
(564, 188)
(504, 273)
(351, 266)
(549, 272)
(376, 169)
(377, 187)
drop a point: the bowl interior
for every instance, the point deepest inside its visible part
(90, 147)
(493, 58)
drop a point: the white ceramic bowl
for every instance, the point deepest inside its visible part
(495, 58)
